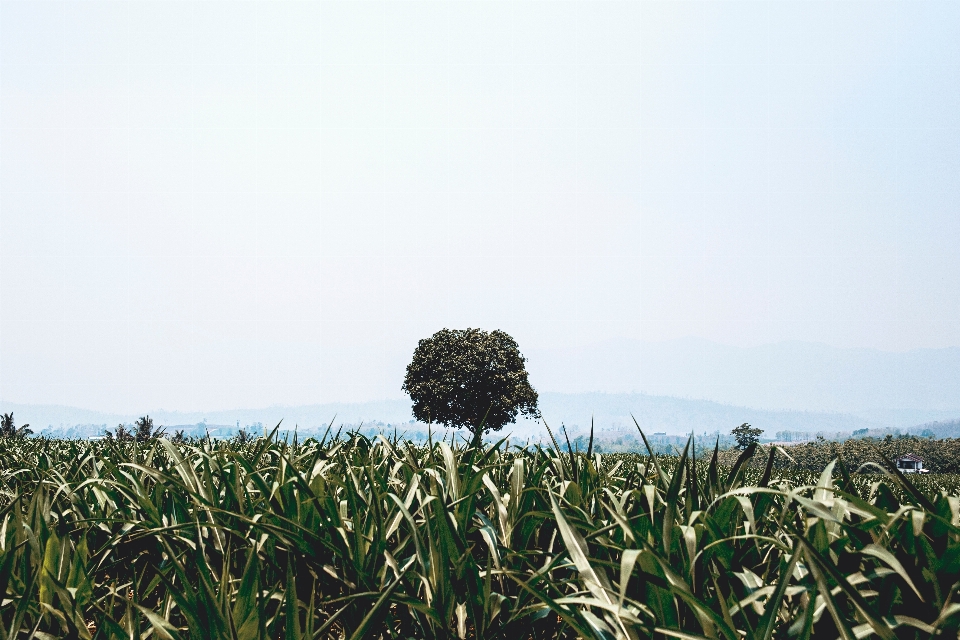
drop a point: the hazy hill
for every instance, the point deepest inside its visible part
(899, 389)
(673, 385)
(680, 415)
(945, 429)
(58, 417)
(608, 411)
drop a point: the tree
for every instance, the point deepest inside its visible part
(746, 435)
(120, 433)
(469, 378)
(145, 429)
(7, 427)
(9, 430)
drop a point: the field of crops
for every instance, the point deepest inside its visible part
(361, 538)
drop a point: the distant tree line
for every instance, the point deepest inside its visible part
(141, 431)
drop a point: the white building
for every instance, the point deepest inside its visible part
(910, 464)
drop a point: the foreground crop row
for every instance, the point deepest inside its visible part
(359, 538)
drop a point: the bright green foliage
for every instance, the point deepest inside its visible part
(469, 378)
(359, 538)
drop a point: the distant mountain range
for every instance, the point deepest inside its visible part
(614, 411)
(890, 388)
(674, 387)
(679, 415)
(58, 417)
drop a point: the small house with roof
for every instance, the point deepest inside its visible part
(910, 464)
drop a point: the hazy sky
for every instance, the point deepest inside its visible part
(233, 204)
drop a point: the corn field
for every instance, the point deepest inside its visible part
(378, 538)
(940, 456)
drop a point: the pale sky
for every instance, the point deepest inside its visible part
(236, 204)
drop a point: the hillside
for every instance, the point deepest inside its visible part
(609, 412)
(898, 389)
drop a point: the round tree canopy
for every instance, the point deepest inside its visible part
(468, 378)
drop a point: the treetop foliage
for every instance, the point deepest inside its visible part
(746, 436)
(468, 378)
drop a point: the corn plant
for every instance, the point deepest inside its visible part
(356, 537)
